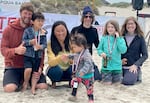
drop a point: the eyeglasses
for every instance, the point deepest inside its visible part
(88, 17)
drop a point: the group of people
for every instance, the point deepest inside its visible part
(70, 54)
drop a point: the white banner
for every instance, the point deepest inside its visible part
(11, 5)
(70, 20)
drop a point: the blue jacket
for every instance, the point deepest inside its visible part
(115, 62)
(27, 36)
(136, 52)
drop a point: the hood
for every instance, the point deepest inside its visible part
(16, 24)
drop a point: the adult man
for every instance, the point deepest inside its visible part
(13, 49)
(86, 28)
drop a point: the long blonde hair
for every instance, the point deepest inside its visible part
(138, 29)
(115, 24)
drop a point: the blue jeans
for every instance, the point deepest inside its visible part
(131, 78)
(56, 74)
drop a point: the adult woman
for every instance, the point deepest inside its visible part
(57, 49)
(136, 51)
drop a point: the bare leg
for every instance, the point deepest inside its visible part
(10, 88)
(27, 75)
(34, 81)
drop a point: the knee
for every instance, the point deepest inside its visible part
(42, 86)
(54, 71)
(128, 81)
(10, 88)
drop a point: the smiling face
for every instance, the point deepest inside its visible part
(60, 33)
(131, 26)
(87, 20)
(26, 16)
(110, 29)
(38, 23)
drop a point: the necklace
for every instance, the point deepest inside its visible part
(111, 49)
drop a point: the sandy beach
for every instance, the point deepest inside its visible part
(139, 93)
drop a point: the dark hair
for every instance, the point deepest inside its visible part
(55, 45)
(27, 6)
(91, 14)
(87, 10)
(79, 40)
(37, 15)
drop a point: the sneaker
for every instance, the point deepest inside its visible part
(91, 101)
(72, 98)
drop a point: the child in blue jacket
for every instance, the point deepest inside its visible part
(34, 39)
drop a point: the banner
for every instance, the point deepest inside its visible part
(70, 20)
(11, 5)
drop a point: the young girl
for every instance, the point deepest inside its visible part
(34, 39)
(110, 48)
(83, 67)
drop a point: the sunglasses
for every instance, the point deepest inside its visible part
(88, 17)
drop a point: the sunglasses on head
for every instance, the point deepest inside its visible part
(88, 16)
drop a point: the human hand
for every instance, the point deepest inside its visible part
(33, 41)
(20, 50)
(117, 34)
(36, 75)
(133, 68)
(64, 58)
(81, 74)
(38, 47)
(43, 31)
(124, 61)
(40, 70)
(103, 55)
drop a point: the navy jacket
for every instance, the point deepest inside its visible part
(136, 52)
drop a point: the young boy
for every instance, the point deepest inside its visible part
(34, 39)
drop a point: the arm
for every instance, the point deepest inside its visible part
(52, 59)
(100, 48)
(144, 53)
(25, 38)
(87, 64)
(96, 42)
(121, 45)
(43, 43)
(8, 48)
(42, 63)
(5, 44)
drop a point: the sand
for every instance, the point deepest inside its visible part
(139, 93)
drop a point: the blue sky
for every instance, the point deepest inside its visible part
(116, 1)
